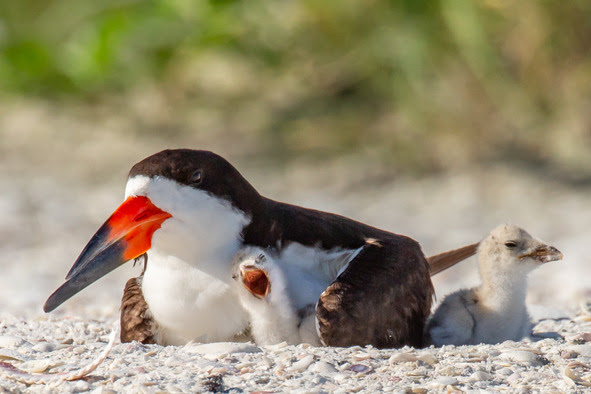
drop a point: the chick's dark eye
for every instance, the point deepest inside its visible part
(510, 244)
(196, 178)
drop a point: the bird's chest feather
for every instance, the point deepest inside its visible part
(188, 303)
(496, 323)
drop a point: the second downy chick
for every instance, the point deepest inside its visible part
(495, 311)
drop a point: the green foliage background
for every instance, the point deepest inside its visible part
(419, 85)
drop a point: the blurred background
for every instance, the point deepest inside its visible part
(436, 119)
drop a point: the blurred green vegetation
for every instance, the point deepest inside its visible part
(419, 85)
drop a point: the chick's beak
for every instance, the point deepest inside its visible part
(544, 254)
(255, 280)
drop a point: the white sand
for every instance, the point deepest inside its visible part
(560, 363)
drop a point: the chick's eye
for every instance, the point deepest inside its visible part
(510, 244)
(196, 178)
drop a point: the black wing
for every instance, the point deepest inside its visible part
(383, 298)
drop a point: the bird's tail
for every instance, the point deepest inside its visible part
(443, 261)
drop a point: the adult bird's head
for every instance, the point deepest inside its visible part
(184, 202)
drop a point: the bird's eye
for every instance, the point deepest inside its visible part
(510, 244)
(196, 178)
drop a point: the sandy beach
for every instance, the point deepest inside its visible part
(559, 360)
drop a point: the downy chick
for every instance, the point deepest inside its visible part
(262, 290)
(495, 311)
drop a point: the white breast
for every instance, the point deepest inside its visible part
(188, 303)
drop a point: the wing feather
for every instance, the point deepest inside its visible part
(445, 260)
(383, 298)
(136, 324)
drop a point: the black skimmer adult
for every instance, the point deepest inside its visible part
(262, 291)
(189, 212)
(495, 311)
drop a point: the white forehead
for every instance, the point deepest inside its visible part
(137, 186)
